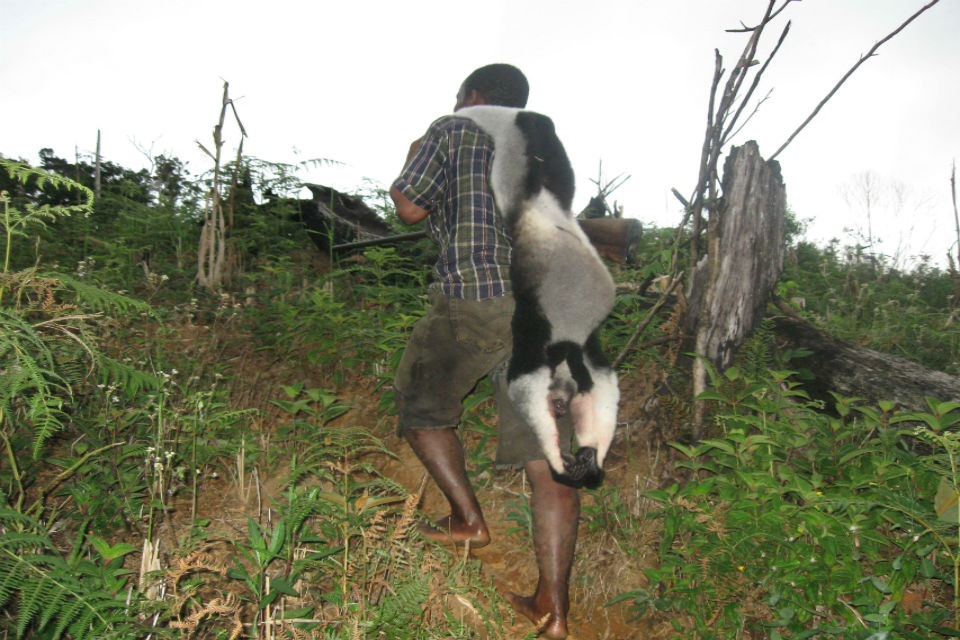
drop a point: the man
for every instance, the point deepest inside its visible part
(466, 333)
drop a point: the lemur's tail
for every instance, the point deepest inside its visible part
(571, 354)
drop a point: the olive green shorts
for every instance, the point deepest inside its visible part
(452, 347)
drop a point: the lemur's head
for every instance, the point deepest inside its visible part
(497, 84)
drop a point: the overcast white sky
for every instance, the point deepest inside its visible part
(626, 82)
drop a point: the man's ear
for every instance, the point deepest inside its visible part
(475, 98)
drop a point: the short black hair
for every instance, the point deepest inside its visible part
(499, 84)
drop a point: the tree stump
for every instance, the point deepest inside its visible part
(731, 285)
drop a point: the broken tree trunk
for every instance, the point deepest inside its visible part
(853, 371)
(338, 217)
(731, 285)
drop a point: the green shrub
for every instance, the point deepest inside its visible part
(796, 523)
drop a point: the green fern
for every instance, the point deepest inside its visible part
(47, 593)
(23, 173)
(100, 300)
(755, 357)
(47, 348)
(31, 390)
(402, 607)
(16, 222)
(130, 379)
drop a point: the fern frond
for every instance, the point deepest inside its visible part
(84, 625)
(130, 379)
(69, 613)
(17, 336)
(101, 300)
(50, 592)
(23, 172)
(755, 356)
(38, 598)
(44, 413)
(31, 390)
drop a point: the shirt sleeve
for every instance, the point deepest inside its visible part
(423, 179)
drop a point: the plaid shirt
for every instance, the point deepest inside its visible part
(449, 177)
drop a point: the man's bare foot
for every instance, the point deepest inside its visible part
(550, 624)
(447, 531)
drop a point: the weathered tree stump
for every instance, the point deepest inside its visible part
(731, 285)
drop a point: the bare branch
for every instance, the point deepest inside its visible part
(739, 73)
(756, 109)
(683, 201)
(773, 15)
(756, 80)
(953, 195)
(664, 296)
(849, 73)
(697, 198)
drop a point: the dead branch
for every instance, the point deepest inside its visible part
(720, 124)
(212, 267)
(954, 273)
(836, 87)
(953, 196)
(675, 281)
(773, 15)
(756, 80)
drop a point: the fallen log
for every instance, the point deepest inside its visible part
(853, 371)
(332, 217)
(613, 238)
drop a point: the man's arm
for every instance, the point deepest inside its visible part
(408, 212)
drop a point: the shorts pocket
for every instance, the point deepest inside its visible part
(482, 325)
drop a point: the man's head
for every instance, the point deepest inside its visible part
(498, 84)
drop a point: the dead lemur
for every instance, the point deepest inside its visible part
(562, 289)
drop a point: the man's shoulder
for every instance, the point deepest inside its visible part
(453, 123)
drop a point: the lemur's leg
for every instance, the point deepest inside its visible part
(584, 419)
(530, 393)
(605, 396)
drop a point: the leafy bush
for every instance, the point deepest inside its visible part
(796, 523)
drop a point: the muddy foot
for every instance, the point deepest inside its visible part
(549, 624)
(445, 531)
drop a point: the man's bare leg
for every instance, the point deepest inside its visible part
(441, 453)
(556, 509)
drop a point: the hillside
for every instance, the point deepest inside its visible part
(187, 462)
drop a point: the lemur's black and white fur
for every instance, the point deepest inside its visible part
(562, 290)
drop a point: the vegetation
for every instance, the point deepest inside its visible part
(134, 405)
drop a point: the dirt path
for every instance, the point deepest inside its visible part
(605, 566)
